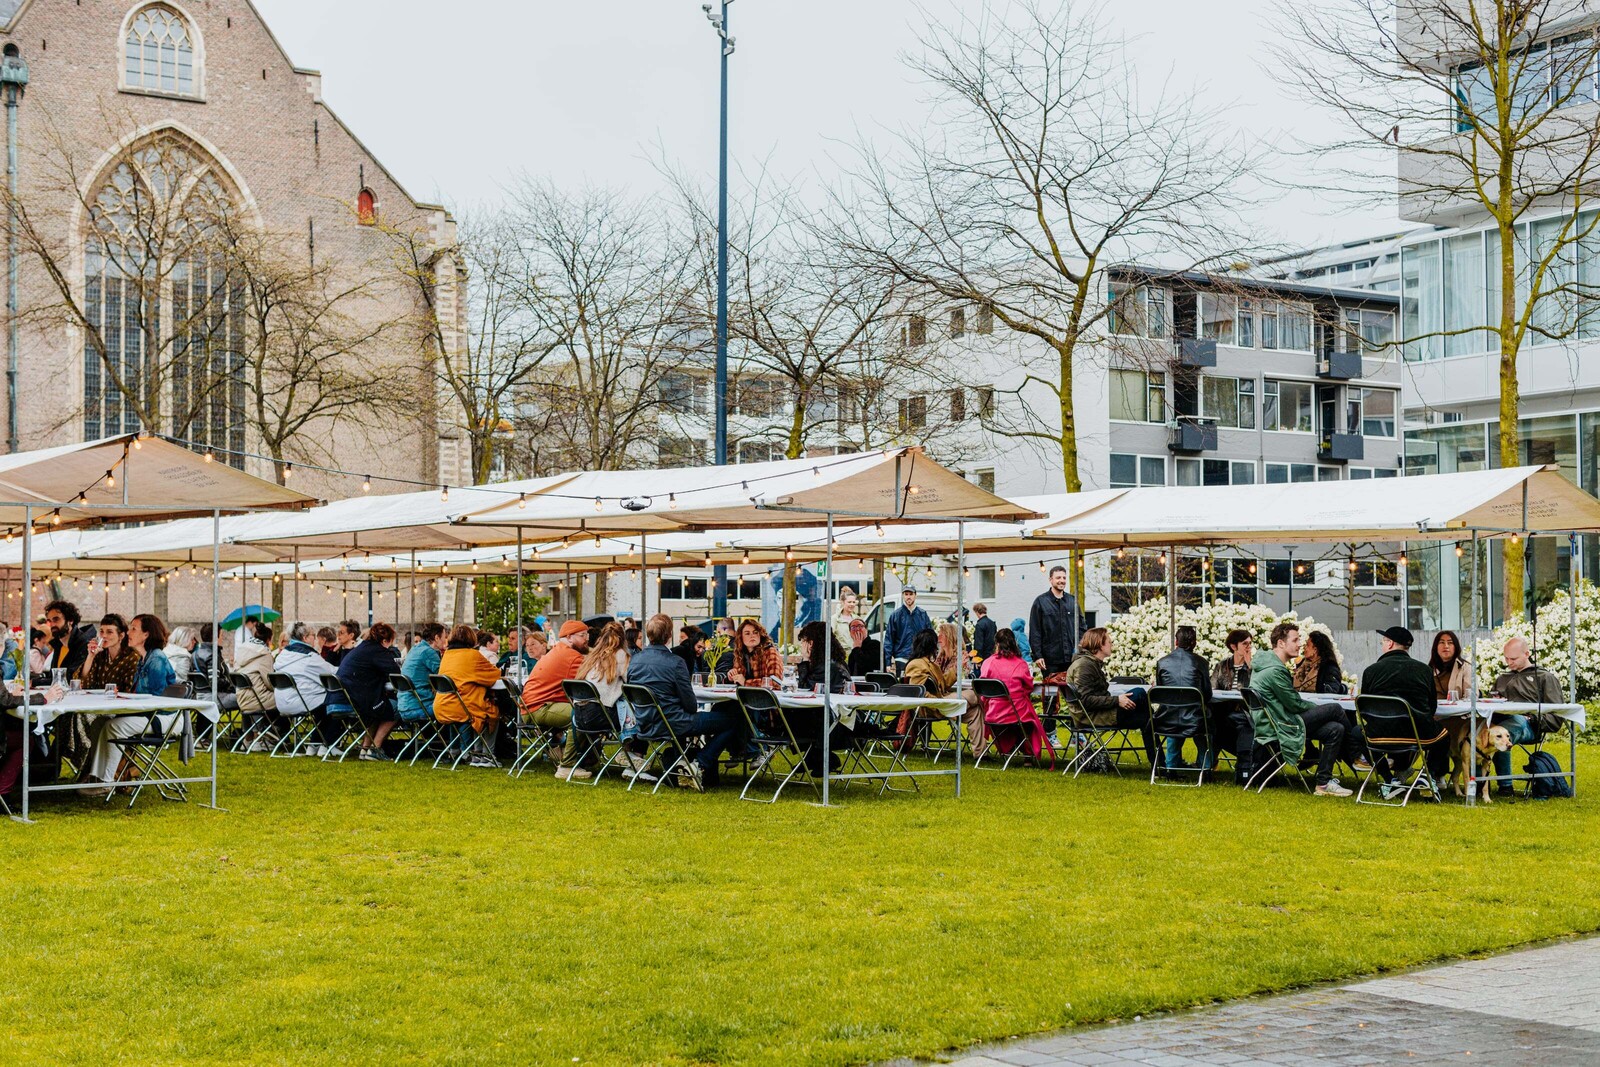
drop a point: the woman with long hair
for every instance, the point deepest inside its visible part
(143, 638)
(755, 658)
(948, 651)
(1451, 671)
(845, 615)
(147, 635)
(1318, 670)
(1017, 710)
(606, 668)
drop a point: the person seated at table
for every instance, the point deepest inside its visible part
(606, 668)
(1527, 684)
(1008, 666)
(111, 661)
(658, 669)
(1019, 630)
(1396, 674)
(544, 701)
(816, 643)
(691, 639)
(925, 668)
(1184, 668)
(489, 647)
(306, 667)
(1452, 673)
(475, 677)
(252, 657)
(420, 662)
(949, 653)
(1231, 727)
(1232, 672)
(519, 662)
(39, 652)
(180, 653)
(1087, 674)
(206, 653)
(364, 672)
(69, 644)
(755, 658)
(145, 637)
(866, 653)
(11, 743)
(1290, 722)
(1318, 670)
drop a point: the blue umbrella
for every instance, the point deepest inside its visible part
(237, 616)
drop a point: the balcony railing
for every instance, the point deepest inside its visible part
(1339, 366)
(1191, 435)
(1197, 352)
(1342, 447)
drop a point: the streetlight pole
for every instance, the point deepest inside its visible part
(719, 600)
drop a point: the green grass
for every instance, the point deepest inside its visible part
(375, 914)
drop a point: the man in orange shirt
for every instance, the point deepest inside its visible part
(544, 702)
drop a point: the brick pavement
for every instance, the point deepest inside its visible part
(1539, 1007)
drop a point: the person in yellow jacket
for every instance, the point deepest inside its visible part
(474, 676)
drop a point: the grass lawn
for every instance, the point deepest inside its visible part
(381, 914)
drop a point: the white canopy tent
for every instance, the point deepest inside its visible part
(116, 480)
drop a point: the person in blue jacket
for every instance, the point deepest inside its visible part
(905, 624)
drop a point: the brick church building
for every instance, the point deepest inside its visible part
(153, 140)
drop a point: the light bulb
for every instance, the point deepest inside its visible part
(111, 480)
(444, 493)
(1002, 570)
(288, 471)
(55, 518)
(1458, 552)
(522, 501)
(747, 559)
(672, 501)
(138, 443)
(1402, 560)
(208, 456)
(366, 483)
(597, 505)
(1041, 566)
(879, 528)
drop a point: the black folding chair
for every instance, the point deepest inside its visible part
(994, 689)
(1179, 712)
(141, 754)
(882, 679)
(1099, 748)
(462, 740)
(775, 739)
(593, 725)
(422, 732)
(662, 738)
(340, 707)
(254, 718)
(532, 740)
(1397, 746)
(302, 725)
(1274, 763)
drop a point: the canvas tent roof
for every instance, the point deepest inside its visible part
(128, 478)
(1429, 507)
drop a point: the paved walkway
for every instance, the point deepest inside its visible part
(1539, 1007)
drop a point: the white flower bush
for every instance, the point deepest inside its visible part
(1141, 636)
(1554, 631)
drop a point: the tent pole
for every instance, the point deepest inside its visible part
(1572, 652)
(216, 618)
(522, 641)
(961, 636)
(1472, 720)
(1172, 593)
(369, 601)
(570, 603)
(27, 675)
(827, 667)
(413, 590)
(644, 574)
(1405, 584)
(297, 583)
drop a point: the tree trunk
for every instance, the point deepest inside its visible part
(1510, 554)
(790, 574)
(1069, 456)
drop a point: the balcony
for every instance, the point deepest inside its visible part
(1189, 435)
(1342, 447)
(1197, 352)
(1339, 366)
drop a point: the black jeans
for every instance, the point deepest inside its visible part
(1232, 731)
(1326, 725)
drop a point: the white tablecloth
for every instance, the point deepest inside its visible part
(1572, 713)
(848, 706)
(82, 703)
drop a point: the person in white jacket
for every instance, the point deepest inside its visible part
(306, 668)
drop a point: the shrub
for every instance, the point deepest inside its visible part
(1141, 636)
(1554, 631)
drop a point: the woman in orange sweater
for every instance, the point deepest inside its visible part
(474, 676)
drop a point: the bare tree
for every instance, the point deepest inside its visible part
(1476, 99)
(314, 352)
(1041, 167)
(507, 336)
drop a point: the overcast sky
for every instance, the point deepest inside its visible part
(456, 98)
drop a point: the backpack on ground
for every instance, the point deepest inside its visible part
(1543, 788)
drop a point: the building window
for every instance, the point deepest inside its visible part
(917, 330)
(1365, 330)
(166, 309)
(759, 451)
(159, 53)
(985, 397)
(1286, 327)
(679, 452)
(985, 319)
(755, 397)
(1231, 401)
(1144, 311)
(958, 322)
(913, 413)
(1378, 412)
(1283, 473)
(686, 394)
(983, 479)
(366, 208)
(1138, 396)
(1217, 317)
(985, 583)
(1363, 474)
(1286, 406)
(1131, 472)
(958, 405)
(1213, 472)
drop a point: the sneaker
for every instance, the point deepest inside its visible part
(1391, 789)
(482, 761)
(313, 750)
(368, 755)
(566, 774)
(1332, 788)
(265, 743)
(376, 753)
(689, 778)
(1361, 766)
(636, 761)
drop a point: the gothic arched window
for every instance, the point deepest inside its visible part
(158, 52)
(163, 349)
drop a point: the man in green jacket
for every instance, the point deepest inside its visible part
(1288, 721)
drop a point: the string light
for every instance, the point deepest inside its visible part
(522, 501)
(55, 518)
(138, 443)
(816, 473)
(879, 528)
(444, 494)
(288, 471)
(1516, 538)
(669, 555)
(672, 501)
(209, 456)
(1458, 552)
(366, 483)
(1002, 570)
(1402, 559)
(1352, 566)
(913, 490)
(111, 480)
(1041, 566)
(929, 572)
(789, 555)
(598, 506)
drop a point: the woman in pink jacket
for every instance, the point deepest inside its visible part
(1008, 666)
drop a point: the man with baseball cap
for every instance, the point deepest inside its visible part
(1396, 674)
(544, 702)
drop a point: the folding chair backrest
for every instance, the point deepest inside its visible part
(335, 688)
(882, 679)
(1387, 721)
(588, 710)
(444, 685)
(641, 697)
(177, 691)
(906, 689)
(991, 689)
(1128, 679)
(868, 687)
(1176, 710)
(244, 688)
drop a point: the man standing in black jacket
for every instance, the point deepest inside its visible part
(983, 632)
(1053, 625)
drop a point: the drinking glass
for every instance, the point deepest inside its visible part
(111, 689)
(700, 681)
(58, 676)
(1451, 697)
(76, 685)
